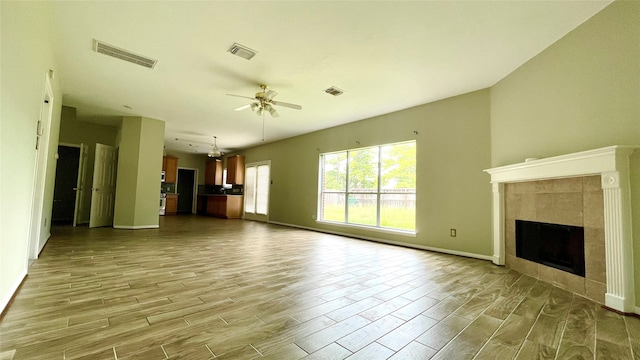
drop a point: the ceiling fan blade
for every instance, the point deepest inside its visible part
(242, 107)
(242, 96)
(270, 94)
(291, 106)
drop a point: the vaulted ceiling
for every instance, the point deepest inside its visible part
(385, 55)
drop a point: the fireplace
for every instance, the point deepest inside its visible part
(564, 221)
(555, 245)
(614, 171)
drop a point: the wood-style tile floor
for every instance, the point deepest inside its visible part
(201, 288)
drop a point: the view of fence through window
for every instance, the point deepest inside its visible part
(374, 186)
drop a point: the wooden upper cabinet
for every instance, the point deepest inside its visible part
(235, 170)
(170, 168)
(213, 172)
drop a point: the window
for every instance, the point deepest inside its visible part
(256, 187)
(374, 186)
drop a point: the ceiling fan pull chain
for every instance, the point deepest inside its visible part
(262, 126)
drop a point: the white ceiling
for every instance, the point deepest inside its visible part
(386, 56)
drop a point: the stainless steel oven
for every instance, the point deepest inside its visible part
(163, 203)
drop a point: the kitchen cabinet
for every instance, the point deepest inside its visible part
(172, 204)
(235, 170)
(170, 168)
(201, 208)
(222, 206)
(213, 172)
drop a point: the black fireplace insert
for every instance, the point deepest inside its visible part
(555, 245)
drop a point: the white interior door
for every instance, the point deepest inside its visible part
(82, 173)
(256, 191)
(37, 239)
(103, 190)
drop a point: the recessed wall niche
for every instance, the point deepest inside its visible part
(576, 201)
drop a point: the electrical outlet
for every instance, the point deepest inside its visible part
(313, 217)
(453, 232)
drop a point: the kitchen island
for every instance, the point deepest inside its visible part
(220, 205)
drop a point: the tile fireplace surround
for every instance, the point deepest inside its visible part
(612, 166)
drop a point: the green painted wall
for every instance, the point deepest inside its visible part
(127, 181)
(139, 166)
(581, 93)
(26, 54)
(452, 191)
(149, 169)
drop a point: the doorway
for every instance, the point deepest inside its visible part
(66, 186)
(256, 190)
(186, 189)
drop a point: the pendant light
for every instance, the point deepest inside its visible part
(215, 152)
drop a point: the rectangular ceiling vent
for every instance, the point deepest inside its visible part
(242, 51)
(126, 55)
(334, 91)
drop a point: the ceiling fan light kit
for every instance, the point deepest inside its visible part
(263, 101)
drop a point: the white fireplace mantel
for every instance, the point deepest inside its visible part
(612, 164)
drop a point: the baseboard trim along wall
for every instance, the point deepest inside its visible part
(44, 244)
(6, 302)
(137, 227)
(390, 242)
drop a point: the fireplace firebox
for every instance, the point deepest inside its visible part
(555, 245)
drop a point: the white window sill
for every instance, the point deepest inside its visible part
(407, 233)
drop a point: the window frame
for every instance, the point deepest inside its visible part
(347, 191)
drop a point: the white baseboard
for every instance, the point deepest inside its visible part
(391, 242)
(44, 243)
(14, 287)
(137, 227)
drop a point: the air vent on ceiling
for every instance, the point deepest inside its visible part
(334, 91)
(242, 51)
(116, 52)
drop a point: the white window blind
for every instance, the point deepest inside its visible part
(256, 192)
(262, 189)
(250, 190)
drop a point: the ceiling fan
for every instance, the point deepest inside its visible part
(263, 101)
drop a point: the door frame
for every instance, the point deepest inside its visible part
(82, 178)
(194, 201)
(82, 168)
(256, 216)
(43, 137)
